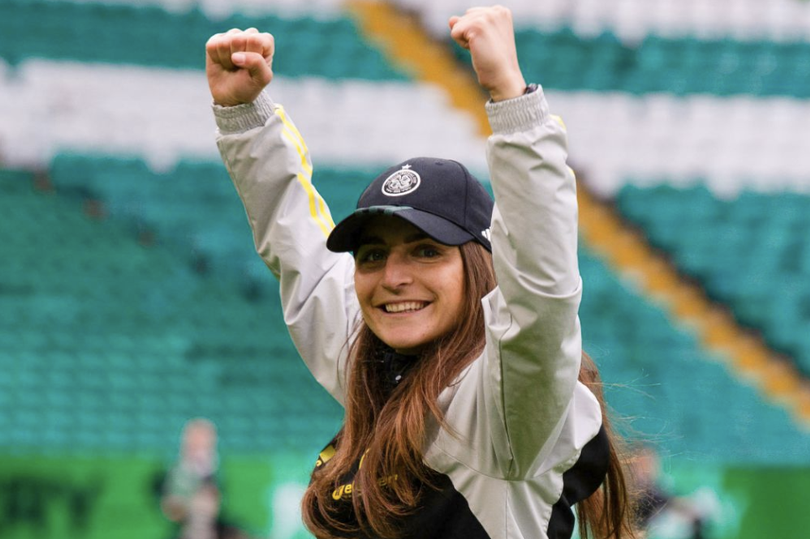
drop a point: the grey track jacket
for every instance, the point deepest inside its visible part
(529, 442)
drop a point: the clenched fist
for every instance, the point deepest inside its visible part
(238, 65)
(489, 35)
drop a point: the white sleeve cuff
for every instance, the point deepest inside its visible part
(241, 118)
(519, 113)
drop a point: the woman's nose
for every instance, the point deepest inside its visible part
(397, 272)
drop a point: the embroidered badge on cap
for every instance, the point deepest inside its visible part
(401, 182)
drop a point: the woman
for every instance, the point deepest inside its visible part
(451, 335)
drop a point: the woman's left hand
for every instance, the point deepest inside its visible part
(488, 33)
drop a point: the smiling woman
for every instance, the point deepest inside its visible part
(410, 287)
(451, 335)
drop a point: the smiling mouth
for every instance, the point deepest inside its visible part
(405, 306)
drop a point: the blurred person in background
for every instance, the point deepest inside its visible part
(662, 514)
(190, 494)
(445, 325)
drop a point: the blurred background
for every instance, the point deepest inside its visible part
(132, 303)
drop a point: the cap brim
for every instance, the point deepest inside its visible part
(346, 236)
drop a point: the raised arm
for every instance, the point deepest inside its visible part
(527, 381)
(270, 165)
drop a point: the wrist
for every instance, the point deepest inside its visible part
(516, 89)
(530, 88)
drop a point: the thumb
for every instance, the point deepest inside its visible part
(238, 59)
(457, 32)
(255, 63)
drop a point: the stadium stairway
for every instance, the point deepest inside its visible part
(749, 252)
(746, 354)
(652, 365)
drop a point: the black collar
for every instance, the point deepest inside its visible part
(395, 367)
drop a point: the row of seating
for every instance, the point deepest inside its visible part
(778, 20)
(219, 9)
(565, 60)
(615, 136)
(164, 115)
(194, 205)
(151, 36)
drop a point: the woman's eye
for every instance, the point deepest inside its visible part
(428, 251)
(371, 255)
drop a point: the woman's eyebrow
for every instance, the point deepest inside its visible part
(370, 240)
(376, 240)
(419, 236)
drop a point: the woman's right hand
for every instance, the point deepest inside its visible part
(238, 65)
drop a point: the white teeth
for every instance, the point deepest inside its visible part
(404, 306)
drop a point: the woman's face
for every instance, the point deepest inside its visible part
(410, 287)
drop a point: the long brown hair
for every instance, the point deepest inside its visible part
(609, 513)
(385, 431)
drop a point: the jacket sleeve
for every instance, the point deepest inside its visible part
(270, 166)
(515, 403)
(534, 341)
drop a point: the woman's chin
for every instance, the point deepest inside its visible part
(406, 346)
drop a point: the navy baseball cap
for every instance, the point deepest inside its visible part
(438, 196)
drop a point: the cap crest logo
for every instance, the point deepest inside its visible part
(401, 182)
